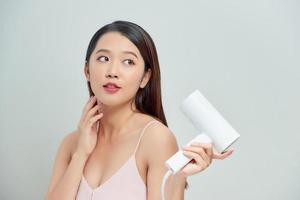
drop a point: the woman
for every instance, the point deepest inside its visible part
(122, 141)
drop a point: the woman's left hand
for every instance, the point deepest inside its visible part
(202, 155)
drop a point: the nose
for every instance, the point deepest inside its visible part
(112, 71)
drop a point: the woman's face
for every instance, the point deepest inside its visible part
(116, 59)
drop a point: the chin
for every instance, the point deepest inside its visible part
(106, 101)
(113, 99)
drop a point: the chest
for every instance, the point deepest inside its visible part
(107, 160)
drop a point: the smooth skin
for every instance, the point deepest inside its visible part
(86, 138)
(99, 132)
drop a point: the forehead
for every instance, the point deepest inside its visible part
(116, 43)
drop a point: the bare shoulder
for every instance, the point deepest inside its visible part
(68, 143)
(158, 138)
(71, 140)
(62, 159)
(67, 146)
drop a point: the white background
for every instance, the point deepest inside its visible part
(242, 55)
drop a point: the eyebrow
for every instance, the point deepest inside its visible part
(108, 51)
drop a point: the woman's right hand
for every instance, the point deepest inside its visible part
(88, 128)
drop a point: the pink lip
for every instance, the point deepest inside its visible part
(111, 89)
(111, 84)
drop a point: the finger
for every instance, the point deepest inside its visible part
(100, 105)
(88, 106)
(208, 147)
(91, 113)
(198, 148)
(95, 125)
(92, 120)
(200, 162)
(223, 155)
(199, 151)
(204, 145)
(209, 151)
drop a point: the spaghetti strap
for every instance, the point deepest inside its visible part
(142, 133)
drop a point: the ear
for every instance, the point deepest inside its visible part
(146, 78)
(86, 71)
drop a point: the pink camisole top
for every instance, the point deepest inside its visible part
(125, 184)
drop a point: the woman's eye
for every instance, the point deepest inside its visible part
(103, 58)
(129, 62)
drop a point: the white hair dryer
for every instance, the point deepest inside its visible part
(211, 125)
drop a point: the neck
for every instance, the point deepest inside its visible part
(115, 121)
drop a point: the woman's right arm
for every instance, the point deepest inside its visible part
(68, 166)
(67, 171)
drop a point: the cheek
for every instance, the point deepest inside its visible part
(96, 78)
(133, 82)
(97, 74)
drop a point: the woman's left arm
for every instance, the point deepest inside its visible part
(160, 146)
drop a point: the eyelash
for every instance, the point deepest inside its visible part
(131, 61)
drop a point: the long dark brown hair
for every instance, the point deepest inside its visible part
(148, 99)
